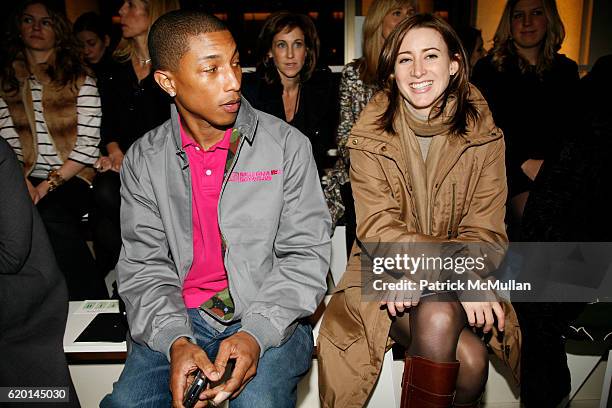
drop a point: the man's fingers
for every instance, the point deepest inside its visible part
(223, 356)
(399, 306)
(234, 383)
(207, 367)
(249, 376)
(178, 383)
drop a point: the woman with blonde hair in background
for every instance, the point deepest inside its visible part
(532, 92)
(132, 105)
(528, 86)
(357, 85)
(427, 168)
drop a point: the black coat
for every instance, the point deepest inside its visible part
(571, 196)
(33, 294)
(130, 108)
(318, 110)
(532, 111)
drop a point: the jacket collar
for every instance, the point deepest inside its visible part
(246, 123)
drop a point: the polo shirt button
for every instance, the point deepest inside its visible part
(208, 172)
(197, 148)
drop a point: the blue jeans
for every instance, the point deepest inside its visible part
(146, 375)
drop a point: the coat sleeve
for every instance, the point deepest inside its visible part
(16, 210)
(147, 278)
(302, 249)
(483, 224)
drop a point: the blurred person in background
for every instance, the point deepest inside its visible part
(50, 114)
(529, 87)
(357, 86)
(93, 33)
(290, 83)
(533, 92)
(133, 104)
(472, 42)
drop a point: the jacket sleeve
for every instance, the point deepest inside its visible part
(15, 213)
(147, 278)
(302, 249)
(484, 222)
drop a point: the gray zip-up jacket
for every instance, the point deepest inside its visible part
(272, 217)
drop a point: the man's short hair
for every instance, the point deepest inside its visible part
(170, 34)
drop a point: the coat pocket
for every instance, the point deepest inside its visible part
(341, 325)
(506, 345)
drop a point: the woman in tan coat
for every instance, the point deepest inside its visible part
(427, 166)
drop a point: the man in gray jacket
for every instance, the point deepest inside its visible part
(225, 234)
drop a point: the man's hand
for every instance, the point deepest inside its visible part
(244, 349)
(185, 358)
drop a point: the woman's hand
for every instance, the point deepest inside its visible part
(398, 302)
(531, 168)
(43, 189)
(33, 191)
(116, 159)
(480, 314)
(103, 164)
(115, 156)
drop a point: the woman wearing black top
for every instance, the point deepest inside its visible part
(532, 92)
(133, 104)
(93, 33)
(289, 85)
(529, 88)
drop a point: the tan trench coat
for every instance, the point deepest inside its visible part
(467, 196)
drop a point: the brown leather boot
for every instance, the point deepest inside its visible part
(428, 384)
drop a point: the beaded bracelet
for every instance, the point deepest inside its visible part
(55, 179)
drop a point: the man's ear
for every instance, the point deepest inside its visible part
(165, 81)
(106, 40)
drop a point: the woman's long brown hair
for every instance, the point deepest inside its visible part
(458, 87)
(67, 65)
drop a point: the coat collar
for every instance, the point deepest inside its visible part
(246, 123)
(484, 131)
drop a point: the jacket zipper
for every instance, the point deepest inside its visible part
(227, 177)
(452, 215)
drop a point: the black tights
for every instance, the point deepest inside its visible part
(436, 330)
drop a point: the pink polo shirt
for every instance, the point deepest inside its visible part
(207, 274)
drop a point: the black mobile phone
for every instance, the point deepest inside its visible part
(193, 392)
